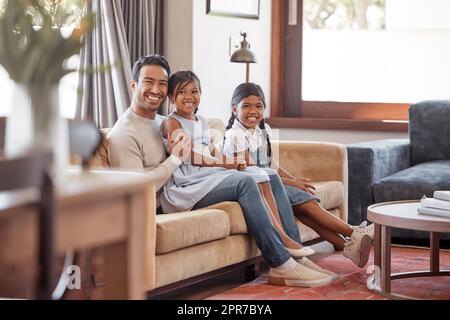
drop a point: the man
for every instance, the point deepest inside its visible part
(135, 143)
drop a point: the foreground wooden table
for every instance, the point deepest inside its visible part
(403, 214)
(107, 209)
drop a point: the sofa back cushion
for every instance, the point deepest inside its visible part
(101, 159)
(429, 131)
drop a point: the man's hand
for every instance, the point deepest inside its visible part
(180, 146)
(303, 183)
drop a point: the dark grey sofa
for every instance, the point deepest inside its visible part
(388, 170)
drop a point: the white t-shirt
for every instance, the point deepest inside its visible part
(239, 139)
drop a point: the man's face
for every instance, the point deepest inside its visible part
(151, 89)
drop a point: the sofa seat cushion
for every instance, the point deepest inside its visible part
(184, 229)
(414, 182)
(330, 193)
(235, 214)
(197, 260)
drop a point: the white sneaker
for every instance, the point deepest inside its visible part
(360, 230)
(300, 276)
(358, 251)
(362, 224)
(310, 264)
(300, 253)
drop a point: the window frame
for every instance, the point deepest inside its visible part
(288, 110)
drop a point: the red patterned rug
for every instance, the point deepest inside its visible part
(351, 284)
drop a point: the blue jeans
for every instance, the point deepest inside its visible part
(242, 188)
(284, 208)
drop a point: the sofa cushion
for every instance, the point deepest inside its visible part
(429, 131)
(203, 258)
(234, 211)
(184, 229)
(100, 158)
(414, 182)
(330, 193)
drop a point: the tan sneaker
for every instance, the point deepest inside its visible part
(300, 276)
(302, 252)
(358, 251)
(310, 264)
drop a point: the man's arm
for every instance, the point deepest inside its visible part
(124, 152)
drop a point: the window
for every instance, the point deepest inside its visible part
(357, 64)
(66, 15)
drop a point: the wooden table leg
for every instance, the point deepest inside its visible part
(385, 259)
(137, 244)
(434, 251)
(116, 271)
(125, 262)
(377, 245)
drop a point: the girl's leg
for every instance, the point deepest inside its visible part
(269, 201)
(322, 218)
(334, 238)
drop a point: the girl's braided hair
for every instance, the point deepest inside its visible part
(243, 91)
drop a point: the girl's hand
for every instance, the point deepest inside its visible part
(303, 184)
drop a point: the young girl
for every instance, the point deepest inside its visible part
(247, 135)
(203, 171)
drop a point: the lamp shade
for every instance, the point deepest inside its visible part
(243, 55)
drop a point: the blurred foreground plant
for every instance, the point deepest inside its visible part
(32, 49)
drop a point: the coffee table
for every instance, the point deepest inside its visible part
(403, 214)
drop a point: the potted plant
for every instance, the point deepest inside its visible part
(34, 52)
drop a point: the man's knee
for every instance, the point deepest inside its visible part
(246, 182)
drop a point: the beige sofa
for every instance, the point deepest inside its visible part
(186, 247)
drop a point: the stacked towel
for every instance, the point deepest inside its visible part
(439, 205)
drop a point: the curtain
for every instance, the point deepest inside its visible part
(105, 69)
(143, 20)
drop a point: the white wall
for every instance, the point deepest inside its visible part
(178, 34)
(197, 41)
(211, 56)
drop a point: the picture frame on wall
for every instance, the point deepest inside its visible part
(248, 9)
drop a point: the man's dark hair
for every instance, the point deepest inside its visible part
(153, 59)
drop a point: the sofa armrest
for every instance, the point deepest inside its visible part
(369, 162)
(318, 161)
